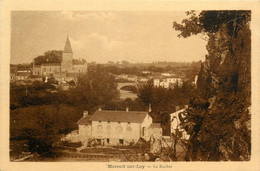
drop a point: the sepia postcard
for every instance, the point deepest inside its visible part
(130, 85)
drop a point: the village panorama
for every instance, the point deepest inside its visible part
(66, 108)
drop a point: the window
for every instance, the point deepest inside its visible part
(121, 141)
(99, 121)
(108, 140)
(119, 122)
(108, 122)
(128, 123)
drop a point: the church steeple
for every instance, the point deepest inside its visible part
(67, 48)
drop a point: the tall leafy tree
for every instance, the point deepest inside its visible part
(95, 89)
(53, 56)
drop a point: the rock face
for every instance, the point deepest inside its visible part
(228, 63)
(221, 124)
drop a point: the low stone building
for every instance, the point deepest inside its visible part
(109, 127)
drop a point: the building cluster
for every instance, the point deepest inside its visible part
(65, 71)
(68, 69)
(164, 80)
(106, 127)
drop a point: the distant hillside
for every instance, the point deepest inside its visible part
(136, 68)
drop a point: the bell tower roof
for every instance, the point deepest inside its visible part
(67, 47)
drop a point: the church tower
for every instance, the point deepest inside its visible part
(67, 57)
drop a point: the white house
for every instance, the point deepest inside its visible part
(167, 82)
(109, 127)
(175, 123)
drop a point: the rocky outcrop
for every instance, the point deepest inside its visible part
(222, 118)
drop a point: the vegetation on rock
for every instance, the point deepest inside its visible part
(218, 118)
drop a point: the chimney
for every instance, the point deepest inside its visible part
(127, 109)
(150, 108)
(85, 113)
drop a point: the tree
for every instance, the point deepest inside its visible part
(145, 93)
(53, 56)
(95, 89)
(209, 22)
(218, 117)
(39, 127)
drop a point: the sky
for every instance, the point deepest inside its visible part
(102, 36)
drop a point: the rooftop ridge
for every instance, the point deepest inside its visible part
(119, 116)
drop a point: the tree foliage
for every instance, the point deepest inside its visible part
(53, 56)
(164, 101)
(94, 89)
(209, 22)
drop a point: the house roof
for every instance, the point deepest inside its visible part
(119, 116)
(67, 48)
(85, 120)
